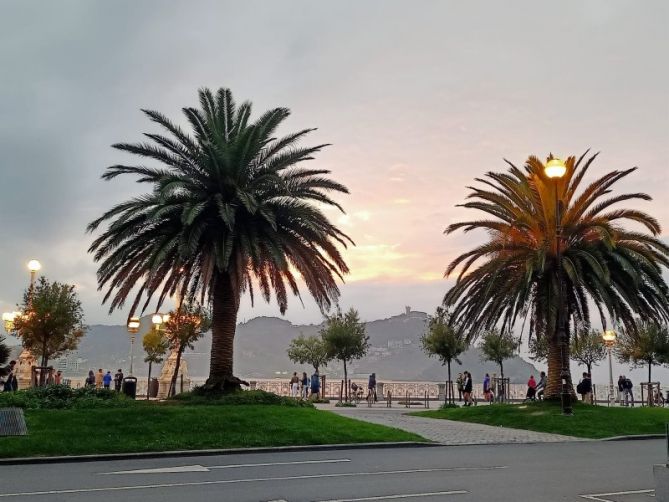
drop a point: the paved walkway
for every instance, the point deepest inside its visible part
(446, 432)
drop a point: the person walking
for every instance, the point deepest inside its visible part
(107, 380)
(11, 382)
(371, 387)
(99, 376)
(118, 380)
(531, 389)
(305, 385)
(541, 386)
(316, 385)
(468, 387)
(629, 394)
(90, 379)
(294, 385)
(460, 382)
(487, 395)
(621, 389)
(584, 388)
(58, 378)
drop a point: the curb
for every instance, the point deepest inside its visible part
(210, 452)
(635, 437)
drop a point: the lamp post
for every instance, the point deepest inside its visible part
(609, 337)
(555, 169)
(133, 329)
(34, 266)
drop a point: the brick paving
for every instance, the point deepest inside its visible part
(447, 432)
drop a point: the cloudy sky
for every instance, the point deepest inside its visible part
(417, 98)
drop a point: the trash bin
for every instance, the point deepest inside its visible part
(130, 387)
(153, 387)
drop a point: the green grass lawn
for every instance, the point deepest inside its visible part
(588, 421)
(162, 427)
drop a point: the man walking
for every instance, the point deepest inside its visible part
(118, 380)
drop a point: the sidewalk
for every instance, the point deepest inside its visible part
(447, 432)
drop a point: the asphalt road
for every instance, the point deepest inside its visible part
(530, 472)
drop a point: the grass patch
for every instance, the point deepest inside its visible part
(173, 426)
(588, 421)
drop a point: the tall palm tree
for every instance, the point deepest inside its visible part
(229, 211)
(606, 264)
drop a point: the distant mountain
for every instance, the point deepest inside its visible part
(261, 343)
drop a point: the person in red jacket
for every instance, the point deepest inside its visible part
(531, 388)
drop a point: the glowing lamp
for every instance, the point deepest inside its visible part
(133, 325)
(555, 168)
(157, 319)
(34, 265)
(609, 337)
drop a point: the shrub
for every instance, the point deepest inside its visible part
(343, 404)
(62, 396)
(200, 396)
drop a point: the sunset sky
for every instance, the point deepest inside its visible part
(416, 98)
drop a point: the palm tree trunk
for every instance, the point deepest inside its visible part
(224, 322)
(173, 383)
(148, 385)
(554, 381)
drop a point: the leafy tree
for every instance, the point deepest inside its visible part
(345, 339)
(445, 342)
(5, 352)
(649, 346)
(514, 273)
(588, 348)
(52, 322)
(185, 326)
(155, 345)
(308, 350)
(497, 347)
(228, 211)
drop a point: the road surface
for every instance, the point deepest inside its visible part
(530, 472)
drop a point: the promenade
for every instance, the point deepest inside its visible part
(445, 432)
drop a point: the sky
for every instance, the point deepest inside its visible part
(416, 100)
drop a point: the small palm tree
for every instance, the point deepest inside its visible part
(617, 269)
(230, 210)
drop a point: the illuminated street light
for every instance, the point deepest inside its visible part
(133, 329)
(555, 168)
(609, 337)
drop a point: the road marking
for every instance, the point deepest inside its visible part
(394, 497)
(202, 468)
(248, 480)
(598, 496)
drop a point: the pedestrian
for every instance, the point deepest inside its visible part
(468, 387)
(541, 386)
(118, 380)
(294, 385)
(531, 388)
(621, 389)
(629, 394)
(107, 380)
(316, 385)
(58, 378)
(90, 379)
(584, 388)
(371, 387)
(11, 382)
(50, 377)
(460, 382)
(305, 385)
(487, 395)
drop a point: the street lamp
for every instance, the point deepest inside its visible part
(609, 337)
(34, 266)
(555, 169)
(133, 329)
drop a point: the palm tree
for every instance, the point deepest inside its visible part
(229, 211)
(617, 269)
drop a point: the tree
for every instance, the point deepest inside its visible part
(308, 350)
(155, 345)
(345, 339)
(184, 327)
(52, 322)
(514, 273)
(229, 211)
(588, 348)
(445, 342)
(649, 346)
(5, 352)
(497, 347)
(538, 349)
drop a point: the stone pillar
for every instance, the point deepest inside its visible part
(168, 371)
(24, 372)
(442, 392)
